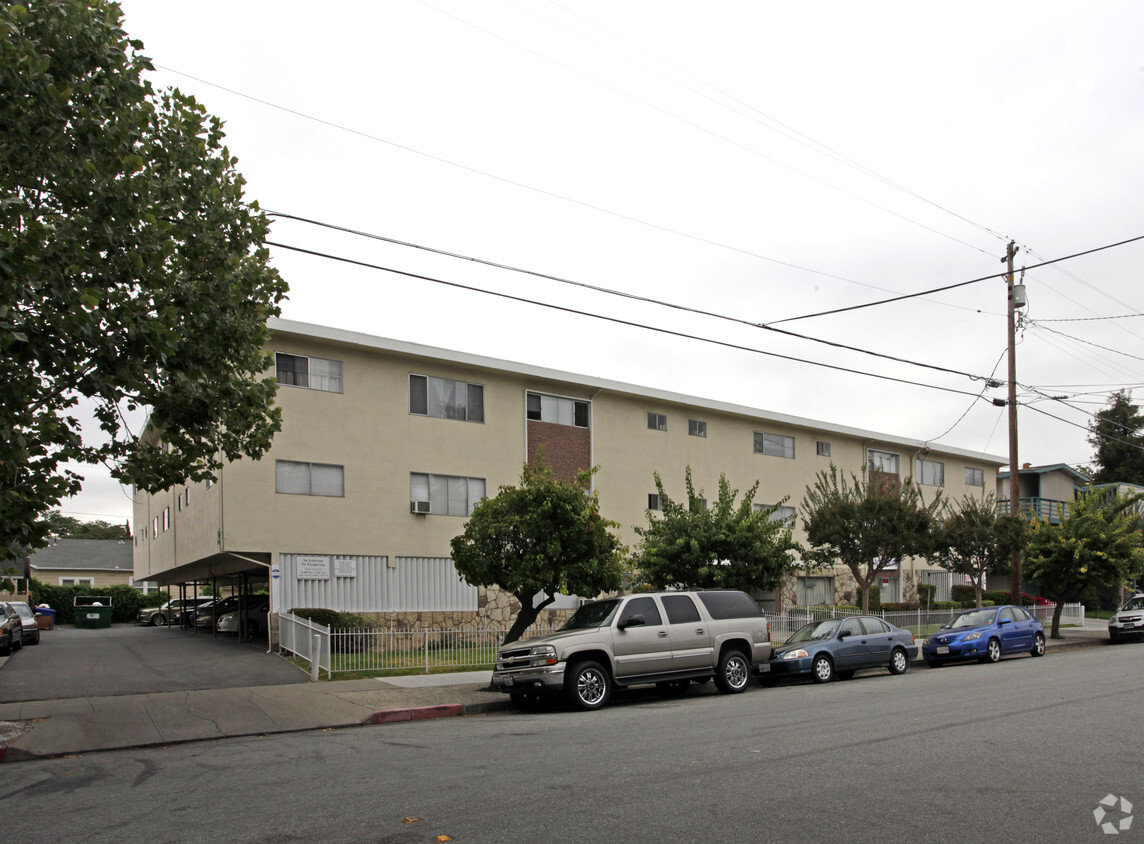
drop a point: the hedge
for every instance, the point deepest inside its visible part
(126, 601)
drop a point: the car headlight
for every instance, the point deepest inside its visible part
(544, 655)
(797, 653)
(971, 637)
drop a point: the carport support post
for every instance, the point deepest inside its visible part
(315, 657)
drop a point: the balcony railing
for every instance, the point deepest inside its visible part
(1046, 509)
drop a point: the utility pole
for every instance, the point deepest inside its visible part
(1014, 476)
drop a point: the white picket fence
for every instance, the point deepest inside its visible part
(338, 651)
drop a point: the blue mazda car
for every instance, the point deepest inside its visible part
(985, 634)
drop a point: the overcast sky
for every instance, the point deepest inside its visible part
(756, 160)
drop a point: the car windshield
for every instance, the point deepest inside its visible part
(817, 631)
(595, 614)
(977, 618)
(22, 609)
(1135, 603)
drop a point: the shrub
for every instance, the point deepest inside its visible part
(327, 618)
(927, 594)
(947, 605)
(963, 595)
(875, 598)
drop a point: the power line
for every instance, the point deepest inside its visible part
(621, 293)
(1034, 323)
(615, 320)
(959, 284)
(1091, 319)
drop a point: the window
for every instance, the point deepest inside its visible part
(875, 626)
(557, 410)
(187, 496)
(77, 581)
(696, 428)
(155, 528)
(776, 445)
(641, 606)
(823, 449)
(931, 473)
(851, 627)
(444, 398)
(313, 373)
(780, 514)
(657, 421)
(293, 478)
(448, 495)
(701, 503)
(680, 609)
(166, 519)
(974, 477)
(882, 461)
(653, 501)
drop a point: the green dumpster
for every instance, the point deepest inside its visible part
(92, 611)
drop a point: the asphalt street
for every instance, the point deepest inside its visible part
(1024, 750)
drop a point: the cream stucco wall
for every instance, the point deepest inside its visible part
(368, 429)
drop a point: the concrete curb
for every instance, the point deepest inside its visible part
(425, 713)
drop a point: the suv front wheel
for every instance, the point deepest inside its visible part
(733, 672)
(587, 685)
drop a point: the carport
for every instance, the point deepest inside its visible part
(241, 574)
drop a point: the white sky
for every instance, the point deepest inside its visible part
(675, 151)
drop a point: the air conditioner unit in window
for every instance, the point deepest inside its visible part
(419, 507)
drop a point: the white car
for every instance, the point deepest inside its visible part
(256, 610)
(1129, 619)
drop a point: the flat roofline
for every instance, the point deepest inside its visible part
(386, 344)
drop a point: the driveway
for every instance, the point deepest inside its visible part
(128, 659)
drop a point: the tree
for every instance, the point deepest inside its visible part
(1097, 542)
(541, 536)
(1117, 434)
(722, 546)
(71, 528)
(975, 541)
(866, 525)
(132, 273)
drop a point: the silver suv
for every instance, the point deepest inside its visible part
(1129, 619)
(666, 638)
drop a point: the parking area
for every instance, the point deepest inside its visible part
(128, 659)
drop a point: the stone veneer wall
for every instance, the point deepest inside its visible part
(495, 608)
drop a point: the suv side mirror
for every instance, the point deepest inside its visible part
(632, 621)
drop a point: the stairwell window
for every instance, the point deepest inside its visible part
(311, 373)
(775, 445)
(931, 473)
(295, 478)
(444, 398)
(557, 410)
(448, 495)
(885, 462)
(974, 477)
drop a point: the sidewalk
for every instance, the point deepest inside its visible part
(45, 728)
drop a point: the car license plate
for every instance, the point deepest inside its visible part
(942, 649)
(508, 681)
(764, 668)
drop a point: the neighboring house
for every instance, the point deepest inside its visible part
(84, 562)
(1045, 490)
(386, 446)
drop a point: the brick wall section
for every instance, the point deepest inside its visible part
(567, 449)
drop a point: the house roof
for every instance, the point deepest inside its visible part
(80, 554)
(367, 341)
(1055, 467)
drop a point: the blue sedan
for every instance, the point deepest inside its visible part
(986, 634)
(841, 646)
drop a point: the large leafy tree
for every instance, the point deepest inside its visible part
(868, 524)
(973, 540)
(1117, 434)
(542, 536)
(71, 528)
(1097, 542)
(721, 545)
(132, 272)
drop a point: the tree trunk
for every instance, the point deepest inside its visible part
(1057, 611)
(527, 615)
(864, 587)
(977, 590)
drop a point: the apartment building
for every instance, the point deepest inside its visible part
(387, 445)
